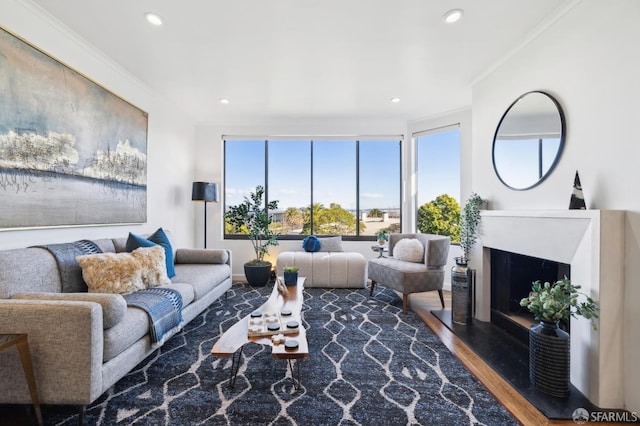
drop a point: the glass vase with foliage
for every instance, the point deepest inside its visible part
(559, 301)
(382, 236)
(469, 222)
(252, 218)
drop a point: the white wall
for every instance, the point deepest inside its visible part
(589, 61)
(169, 144)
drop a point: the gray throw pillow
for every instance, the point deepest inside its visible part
(331, 244)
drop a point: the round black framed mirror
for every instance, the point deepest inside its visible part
(528, 141)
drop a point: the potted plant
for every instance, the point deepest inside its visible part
(291, 275)
(549, 357)
(382, 237)
(253, 218)
(469, 222)
(461, 275)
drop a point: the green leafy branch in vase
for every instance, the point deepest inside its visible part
(553, 302)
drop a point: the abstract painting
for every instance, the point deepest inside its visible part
(71, 152)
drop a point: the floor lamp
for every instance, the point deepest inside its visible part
(206, 192)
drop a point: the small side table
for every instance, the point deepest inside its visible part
(380, 249)
(20, 340)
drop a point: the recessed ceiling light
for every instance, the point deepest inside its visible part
(452, 16)
(395, 100)
(224, 101)
(154, 19)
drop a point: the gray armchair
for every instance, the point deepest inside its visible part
(412, 277)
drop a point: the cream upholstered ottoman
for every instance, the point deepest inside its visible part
(326, 269)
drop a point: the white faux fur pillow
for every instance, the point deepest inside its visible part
(152, 263)
(124, 273)
(409, 250)
(118, 273)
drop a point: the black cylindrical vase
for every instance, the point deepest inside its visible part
(461, 278)
(549, 358)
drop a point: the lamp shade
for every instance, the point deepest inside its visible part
(204, 191)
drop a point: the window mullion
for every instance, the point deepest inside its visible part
(311, 229)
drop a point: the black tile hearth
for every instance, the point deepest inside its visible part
(510, 358)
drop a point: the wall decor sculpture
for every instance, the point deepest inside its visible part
(71, 152)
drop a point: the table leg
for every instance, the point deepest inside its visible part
(27, 366)
(235, 365)
(296, 381)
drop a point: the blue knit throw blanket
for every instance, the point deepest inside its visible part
(70, 272)
(164, 307)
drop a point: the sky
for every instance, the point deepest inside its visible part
(334, 170)
(438, 165)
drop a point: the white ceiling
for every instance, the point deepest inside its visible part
(307, 59)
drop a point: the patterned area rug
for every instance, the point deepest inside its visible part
(369, 365)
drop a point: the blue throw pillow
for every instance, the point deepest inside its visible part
(157, 238)
(311, 243)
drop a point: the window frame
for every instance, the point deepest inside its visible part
(357, 139)
(415, 137)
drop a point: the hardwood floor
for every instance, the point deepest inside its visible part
(510, 398)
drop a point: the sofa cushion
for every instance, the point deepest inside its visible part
(124, 273)
(409, 250)
(202, 277)
(161, 238)
(151, 262)
(111, 273)
(185, 290)
(406, 277)
(133, 327)
(28, 270)
(114, 306)
(202, 256)
(105, 244)
(157, 238)
(331, 244)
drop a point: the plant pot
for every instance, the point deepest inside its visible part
(257, 274)
(549, 358)
(290, 278)
(461, 285)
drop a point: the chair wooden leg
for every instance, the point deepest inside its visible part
(373, 284)
(441, 298)
(405, 303)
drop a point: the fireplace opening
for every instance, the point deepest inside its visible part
(511, 277)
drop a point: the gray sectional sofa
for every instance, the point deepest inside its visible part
(83, 343)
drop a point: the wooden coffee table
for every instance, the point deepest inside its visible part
(232, 341)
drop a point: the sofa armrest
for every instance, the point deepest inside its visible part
(66, 344)
(210, 256)
(114, 307)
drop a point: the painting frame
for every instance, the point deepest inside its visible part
(72, 152)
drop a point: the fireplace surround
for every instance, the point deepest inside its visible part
(592, 243)
(512, 275)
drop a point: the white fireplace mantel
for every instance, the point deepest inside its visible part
(592, 242)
